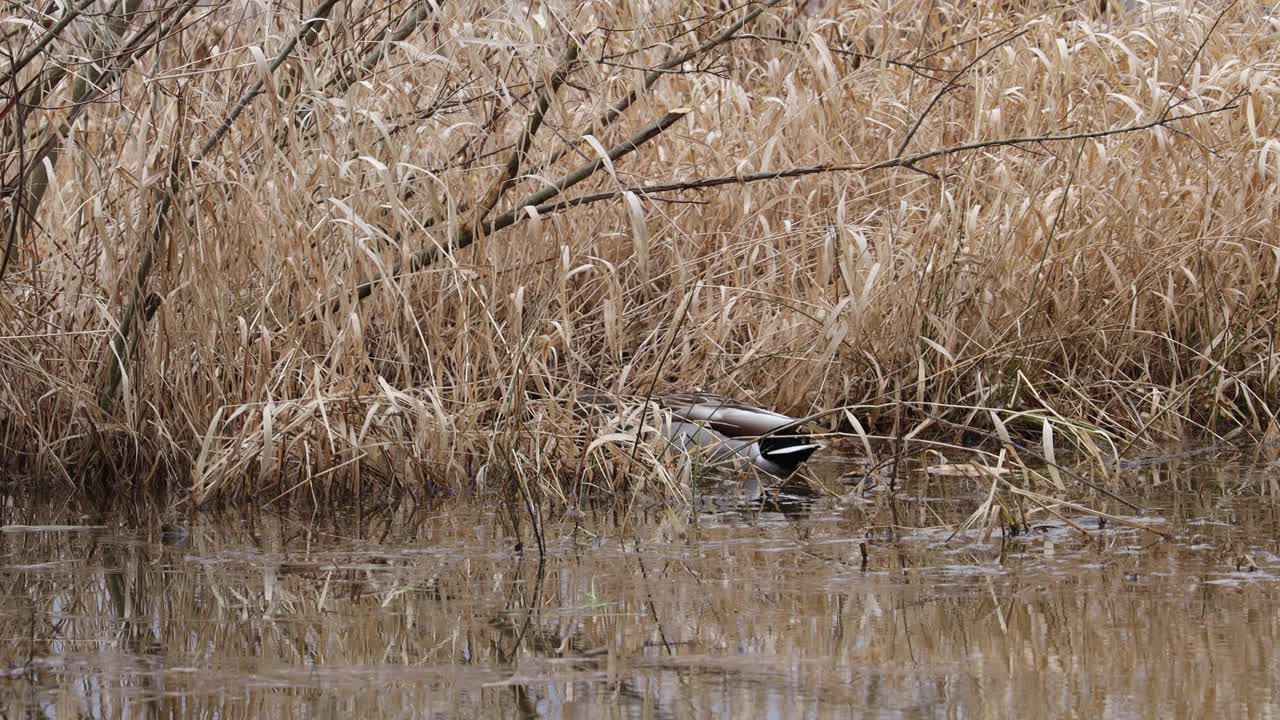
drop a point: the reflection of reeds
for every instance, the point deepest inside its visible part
(301, 257)
(447, 619)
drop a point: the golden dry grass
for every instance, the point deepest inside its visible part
(1123, 282)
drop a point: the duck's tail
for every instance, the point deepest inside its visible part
(789, 450)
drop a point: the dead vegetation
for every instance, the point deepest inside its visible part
(383, 247)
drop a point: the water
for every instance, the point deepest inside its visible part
(434, 613)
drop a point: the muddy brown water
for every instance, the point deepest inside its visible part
(433, 612)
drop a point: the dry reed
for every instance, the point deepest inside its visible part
(382, 249)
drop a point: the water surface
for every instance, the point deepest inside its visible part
(438, 612)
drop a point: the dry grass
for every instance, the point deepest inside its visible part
(1123, 283)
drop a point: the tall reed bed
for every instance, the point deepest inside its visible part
(266, 249)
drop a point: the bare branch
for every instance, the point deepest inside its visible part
(613, 113)
(951, 83)
(1169, 104)
(44, 40)
(908, 161)
(428, 256)
(516, 160)
(119, 343)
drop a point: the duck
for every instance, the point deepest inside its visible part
(725, 431)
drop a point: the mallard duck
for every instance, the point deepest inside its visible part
(725, 431)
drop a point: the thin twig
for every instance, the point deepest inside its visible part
(1168, 105)
(613, 113)
(515, 161)
(951, 83)
(427, 256)
(305, 32)
(917, 68)
(825, 168)
(48, 37)
(609, 116)
(29, 187)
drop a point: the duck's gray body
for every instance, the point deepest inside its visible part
(725, 431)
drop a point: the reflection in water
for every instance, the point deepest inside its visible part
(434, 614)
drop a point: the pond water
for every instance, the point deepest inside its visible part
(434, 611)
